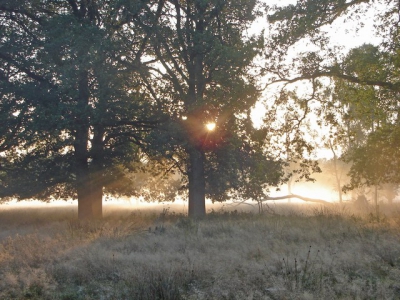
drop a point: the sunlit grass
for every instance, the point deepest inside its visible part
(293, 252)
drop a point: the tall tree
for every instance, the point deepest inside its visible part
(205, 74)
(71, 101)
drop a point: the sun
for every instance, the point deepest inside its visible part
(210, 126)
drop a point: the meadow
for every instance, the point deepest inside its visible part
(289, 252)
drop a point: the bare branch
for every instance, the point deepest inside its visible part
(285, 197)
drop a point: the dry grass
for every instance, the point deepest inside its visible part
(292, 254)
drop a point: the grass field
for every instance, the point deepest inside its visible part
(292, 252)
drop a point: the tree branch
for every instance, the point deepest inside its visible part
(21, 11)
(285, 197)
(74, 7)
(28, 72)
(334, 74)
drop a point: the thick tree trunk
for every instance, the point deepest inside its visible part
(83, 182)
(89, 189)
(197, 189)
(82, 179)
(97, 171)
(84, 202)
(97, 200)
(90, 197)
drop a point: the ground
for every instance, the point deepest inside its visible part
(289, 252)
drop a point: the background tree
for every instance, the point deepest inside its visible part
(366, 81)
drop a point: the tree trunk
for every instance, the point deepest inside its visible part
(197, 189)
(90, 197)
(82, 177)
(97, 200)
(89, 190)
(96, 168)
(84, 202)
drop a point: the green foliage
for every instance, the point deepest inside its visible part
(208, 75)
(70, 97)
(370, 121)
(94, 91)
(360, 103)
(305, 19)
(241, 170)
(377, 161)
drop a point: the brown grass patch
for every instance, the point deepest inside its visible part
(310, 254)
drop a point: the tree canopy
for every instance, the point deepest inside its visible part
(71, 98)
(96, 94)
(92, 90)
(360, 100)
(208, 74)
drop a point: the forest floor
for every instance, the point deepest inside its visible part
(289, 252)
